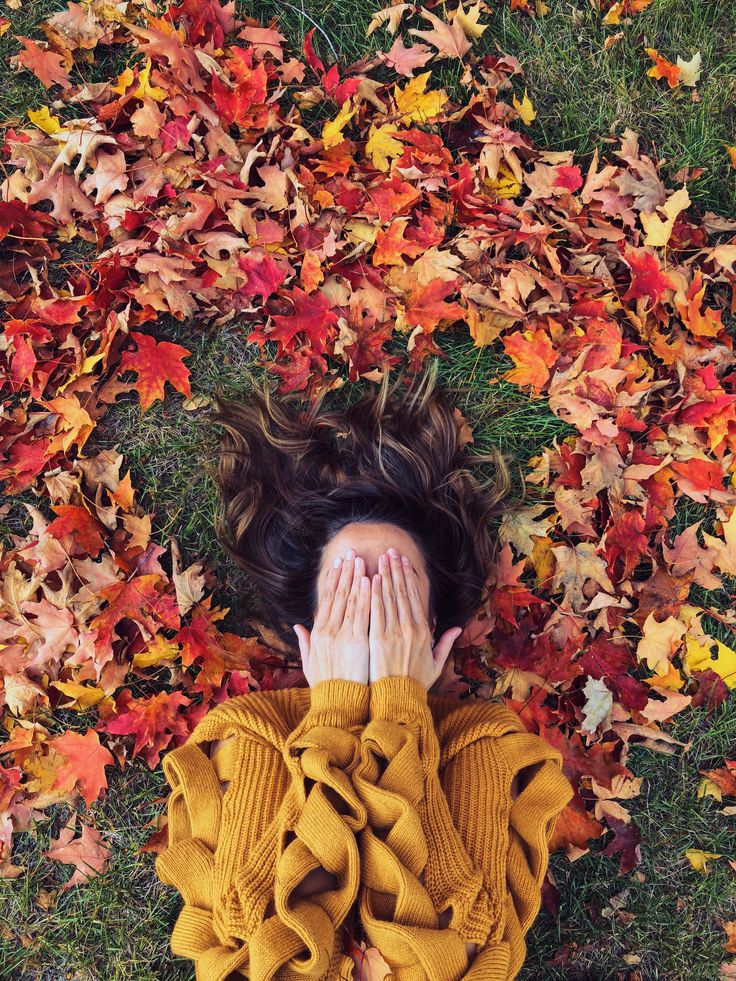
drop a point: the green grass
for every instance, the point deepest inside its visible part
(118, 926)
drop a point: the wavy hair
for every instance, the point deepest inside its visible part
(290, 478)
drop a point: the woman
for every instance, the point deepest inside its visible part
(364, 801)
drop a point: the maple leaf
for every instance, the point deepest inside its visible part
(724, 552)
(405, 60)
(49, 67)
(659, 231)
(389, 16)
(525, 108)
(332, 129)
(44, 120)
(468, 19)
(89, 853)
(659, 641)
(155, 363)
(382, 147)
(724, 778)
(311, 315)
(533, 354)
(77, 520)
(416, 104)
(243, 104)
(697, 657)
(663, 68)
(154, 721)
(449, 39)
(265, 276)
(626, 843)
(85, 763)
(598, 705)
(426, 306)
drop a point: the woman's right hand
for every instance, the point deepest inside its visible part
(399, 634)
(337, 646)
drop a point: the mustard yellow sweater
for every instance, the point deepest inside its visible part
(378, 784)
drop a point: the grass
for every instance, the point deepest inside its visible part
(663, 912)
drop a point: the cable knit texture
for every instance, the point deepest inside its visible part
(404, 796)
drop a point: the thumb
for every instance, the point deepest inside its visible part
(304, 637)
(441, 650)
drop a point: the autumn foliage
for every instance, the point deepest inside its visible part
(222, 177)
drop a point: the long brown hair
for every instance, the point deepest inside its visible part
(290, 478)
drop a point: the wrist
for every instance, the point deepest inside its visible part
(340, 701)
(398, 697)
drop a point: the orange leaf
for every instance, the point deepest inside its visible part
(156, 362)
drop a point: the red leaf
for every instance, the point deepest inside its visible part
(155, 363)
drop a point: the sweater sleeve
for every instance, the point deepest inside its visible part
(454, 844)
(507, 837)
(238, 858)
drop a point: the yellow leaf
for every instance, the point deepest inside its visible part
(86, 368)
(360, 232)
(699, 859)
(525, 108)
(614, 14)
(332, 129)
(124, 80)
(659, 231)
(84, 695)
(44, 120)
(159, 649)
(468, 20)
(417, 105)
(697, 658)
(709, 787)
(146, 89)
(505, 185)
(732, 154)
(381, 146)
(671, 679)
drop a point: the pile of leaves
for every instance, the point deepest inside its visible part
(221, 177)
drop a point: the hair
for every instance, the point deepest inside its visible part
(290, 478)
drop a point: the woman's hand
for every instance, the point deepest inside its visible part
(400, 639)
(337, 646)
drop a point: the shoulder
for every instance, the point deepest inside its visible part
(265, 716)
(460, 723)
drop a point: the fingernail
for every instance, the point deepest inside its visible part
(337, 563)
(405, 559)
(350, 553)
(393, 553)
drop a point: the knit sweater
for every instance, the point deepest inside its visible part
(405, 797)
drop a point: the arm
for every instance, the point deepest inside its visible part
(414, 862)
(249, 872)
(508, 838)
(450, 848)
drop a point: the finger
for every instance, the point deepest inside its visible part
(377, 622)
(362, 613)
(354, 594)
(402, 600)
(388, 595)
(412, 590)
(340, 599)
(328, 591)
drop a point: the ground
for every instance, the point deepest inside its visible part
(664, 913)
